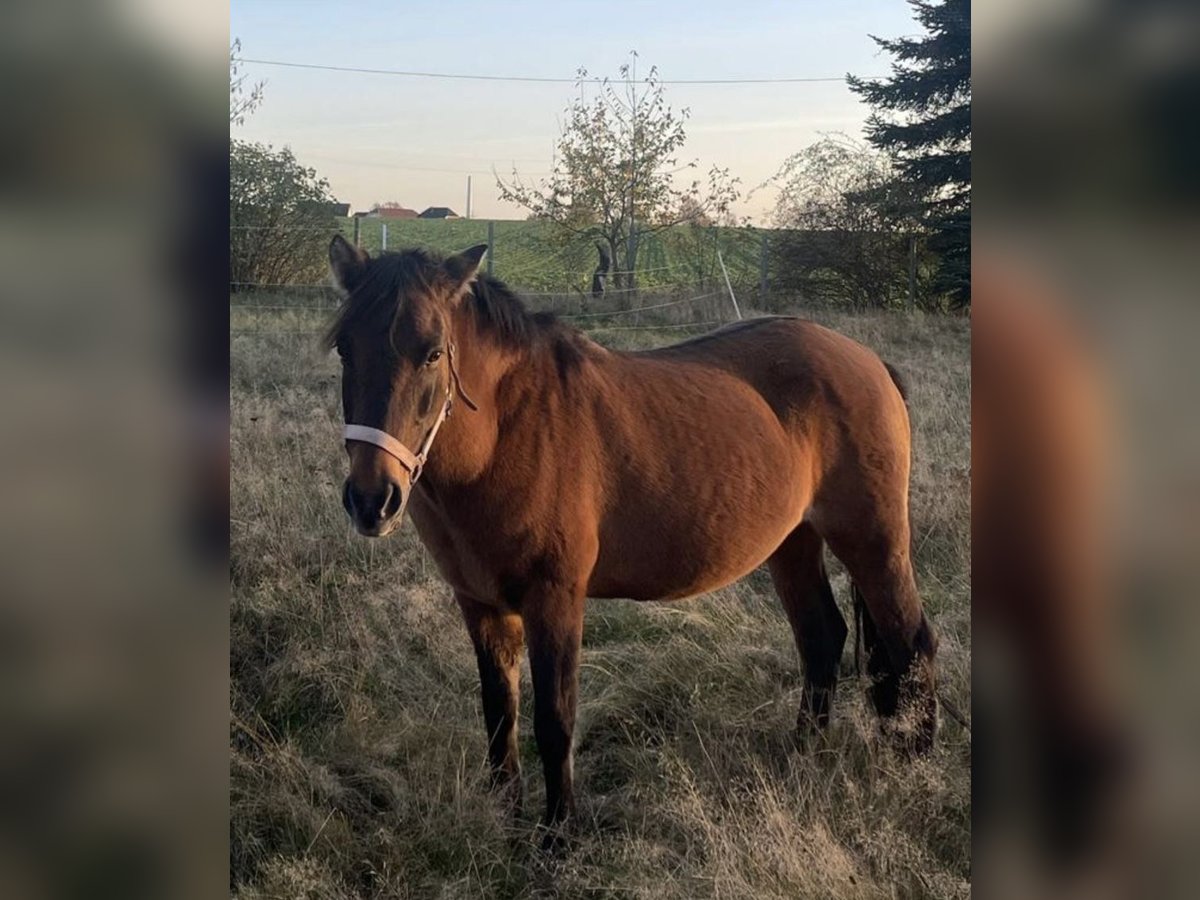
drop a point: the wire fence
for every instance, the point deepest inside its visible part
(678, 282)
(687, 278)
(686, 306)
(533, 257)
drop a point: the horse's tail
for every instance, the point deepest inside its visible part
(898, 381)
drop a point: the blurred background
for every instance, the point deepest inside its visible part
(113, 473)
(1085, 435)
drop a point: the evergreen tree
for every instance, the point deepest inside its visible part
(922, 117)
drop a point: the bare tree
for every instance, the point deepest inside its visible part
(694, 212)
(243, 99)
(846, 222)
(614, 176)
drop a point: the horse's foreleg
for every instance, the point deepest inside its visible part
(554, 626)
(499, 638)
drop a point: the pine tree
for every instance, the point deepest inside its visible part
(922, 117)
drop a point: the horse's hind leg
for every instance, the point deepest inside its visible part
(798, 570)
(898, 640)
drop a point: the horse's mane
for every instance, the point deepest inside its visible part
(496, 308)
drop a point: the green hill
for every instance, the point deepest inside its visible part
(535, 257)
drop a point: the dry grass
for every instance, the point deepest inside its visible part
(357, 740)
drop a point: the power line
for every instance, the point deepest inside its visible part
(403, 168)
(536, 78)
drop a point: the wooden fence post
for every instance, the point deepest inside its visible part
(383, 236)
(357, 226)
(728, 286)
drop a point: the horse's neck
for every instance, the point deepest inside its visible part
(470, 437)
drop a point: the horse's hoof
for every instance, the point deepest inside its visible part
(813, 718)
(911, 738)
(509, 791)
(556, 838)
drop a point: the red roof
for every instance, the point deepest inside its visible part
(394, 212)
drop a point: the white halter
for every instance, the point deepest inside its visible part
(413, 462)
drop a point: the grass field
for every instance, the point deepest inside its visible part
(357, 740)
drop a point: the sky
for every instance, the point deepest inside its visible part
(414, 140)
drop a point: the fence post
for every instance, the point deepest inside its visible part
(491, 244)
(762, 273)
(728, 286)
(357, 226)
(383, 236)
(912, 272)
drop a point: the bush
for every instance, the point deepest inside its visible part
(280, 218)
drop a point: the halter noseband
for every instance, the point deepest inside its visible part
(413, 462)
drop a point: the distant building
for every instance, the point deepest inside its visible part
(391, 212)
(439, 212)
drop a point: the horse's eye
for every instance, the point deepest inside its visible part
(434, 356)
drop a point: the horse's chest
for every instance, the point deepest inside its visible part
(479, 555)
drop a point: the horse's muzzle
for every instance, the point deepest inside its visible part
(375, 513)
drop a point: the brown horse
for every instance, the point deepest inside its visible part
(570, 471)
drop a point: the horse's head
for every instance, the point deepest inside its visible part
(395, 340)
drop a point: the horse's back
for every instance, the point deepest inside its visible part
(800, 368)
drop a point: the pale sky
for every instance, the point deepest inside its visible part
(415, 140)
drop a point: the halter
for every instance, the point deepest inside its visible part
(413, 462)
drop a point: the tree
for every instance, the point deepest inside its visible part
(922, 117)
(242, 100)
(694, 212)
(280, 217)
(847, 224)
(615, 168)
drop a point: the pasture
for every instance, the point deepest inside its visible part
(358, 755)
(536, 256)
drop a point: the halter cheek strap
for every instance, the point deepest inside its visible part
(413, 462)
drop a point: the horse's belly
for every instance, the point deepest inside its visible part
(700, 499)
(670, 563)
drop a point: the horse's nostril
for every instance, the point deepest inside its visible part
(374, 508)
(391, 504)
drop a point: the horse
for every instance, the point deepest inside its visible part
(548, 469)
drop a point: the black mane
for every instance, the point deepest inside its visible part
(503, 313)
(496, 308)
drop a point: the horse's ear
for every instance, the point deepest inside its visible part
(463, 268)
(347, 262)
